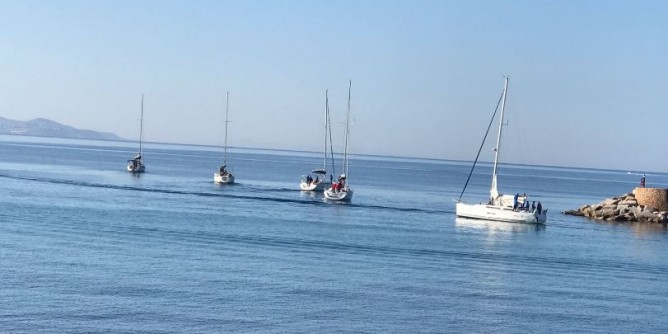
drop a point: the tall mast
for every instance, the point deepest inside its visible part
(324, 156)
(227, 107)
(495, 191)
(345, 154)
(141, 122)
(331, 146)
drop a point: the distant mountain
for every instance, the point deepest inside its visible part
(42, 127)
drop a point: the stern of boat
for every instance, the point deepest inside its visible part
(135, 169)
(304, 186)
(227, 178)
(344, 195)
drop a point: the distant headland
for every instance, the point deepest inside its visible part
(42, 127)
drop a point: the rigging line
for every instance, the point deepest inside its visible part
(480, 149)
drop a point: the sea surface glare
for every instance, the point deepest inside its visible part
(87, 247)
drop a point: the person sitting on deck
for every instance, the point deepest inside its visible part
(342, 182)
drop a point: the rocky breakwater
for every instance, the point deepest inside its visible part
(642, 205)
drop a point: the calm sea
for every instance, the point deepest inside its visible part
(86, 247)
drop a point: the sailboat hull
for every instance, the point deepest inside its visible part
(499, 213)
(344, 195)
(313, 186)
(136, 169)
(224, 179)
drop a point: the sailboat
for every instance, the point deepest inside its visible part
(341, 191)
(136, 164)
(308, 183)
(505, 208)
(223, 175)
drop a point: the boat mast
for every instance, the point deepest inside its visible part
(141, 123)
(345, 154)
(227, 106)
(331, 146)
(495, 191)
(324, 156)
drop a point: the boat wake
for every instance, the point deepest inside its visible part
(304, 200)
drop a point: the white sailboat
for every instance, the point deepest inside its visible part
(309, 183)
(505, 208)
(341, 191)
(136, 164)
(223, 175)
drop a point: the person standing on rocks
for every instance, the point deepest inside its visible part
(642, 181)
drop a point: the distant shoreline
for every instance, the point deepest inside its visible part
(376, 156)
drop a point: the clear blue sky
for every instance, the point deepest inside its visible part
(588, 78)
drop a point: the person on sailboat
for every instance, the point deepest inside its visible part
(539, 208)
(222, 170)
(517, 195)
(136, 161)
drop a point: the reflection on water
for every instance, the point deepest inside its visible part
(641, 229)
(311, 194)
(495, 226)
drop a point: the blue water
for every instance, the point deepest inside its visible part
(86, 247)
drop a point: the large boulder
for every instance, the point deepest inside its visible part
(611, 201)
(605, 212)
(620, 218)
(645, 215)
(630, 218)
(662, 217)
(578, 213)
(629, 202)
(622, 209)
(587, 211)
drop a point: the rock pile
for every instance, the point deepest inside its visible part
(623, 208)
